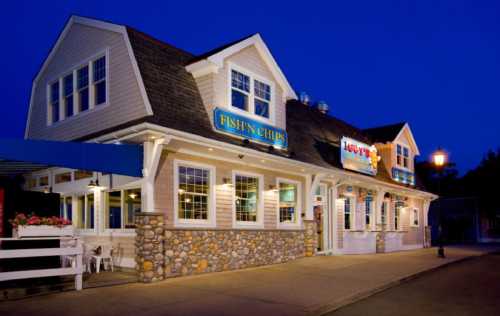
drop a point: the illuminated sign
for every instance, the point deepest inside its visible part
(238, 125)
(403, 176)
(358, 156)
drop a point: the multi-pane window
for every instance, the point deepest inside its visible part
(250, 95)
(402, 156)
(246, 198)
(99, 80)
(347, 213)
(262, 98)
(86, 86)
(240, 91)
(193, 193)
(68, 95)
(121, 207)
(288, 205)
(54, 101)
(82, 76)
(368, 212)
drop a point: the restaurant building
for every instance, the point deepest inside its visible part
(238, 171)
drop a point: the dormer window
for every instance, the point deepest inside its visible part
(54, 101)
(250, 94)
(402, 156)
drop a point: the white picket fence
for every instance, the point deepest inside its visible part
(75, 250)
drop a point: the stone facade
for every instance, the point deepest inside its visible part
(150, 253)
(310, 238)
(191, 251)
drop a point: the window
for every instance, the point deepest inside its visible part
(402, 156)
(85, 85)
(368, 212)
(62, 177)
(54, 101)
(99, 80)
(83, 88)
(31, 183)
(397, 213)
(289, 208)
(121, 207)
(193, 193)
(85, 211)
(383, 212)
(414, 217)
(66, 207)
(132, 203)
(262, 98)
(347, 213)
(250, 95)
(114, 210)
(240, 91)
(246, 198)
(68, 95)
(82, 174)
(43, 181)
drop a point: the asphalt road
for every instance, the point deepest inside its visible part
(471, 287)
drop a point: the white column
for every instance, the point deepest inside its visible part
(334, 218)
(426, 204)
(152, 155)
(309, 198)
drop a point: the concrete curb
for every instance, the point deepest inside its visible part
(363, 295)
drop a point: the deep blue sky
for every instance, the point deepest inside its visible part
(435, 64)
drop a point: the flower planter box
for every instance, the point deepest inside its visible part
(43, 231)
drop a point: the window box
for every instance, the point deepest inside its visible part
(27, 231)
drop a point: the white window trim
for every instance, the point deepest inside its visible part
(186, 223)
(251, 95)
(298, 209)
(259, 224)
(92, 107)
(412, 217)
(394, 211)
(371, 226)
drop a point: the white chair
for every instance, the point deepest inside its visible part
(104, 257)
(88, 252)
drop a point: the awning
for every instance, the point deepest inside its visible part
(123, 159)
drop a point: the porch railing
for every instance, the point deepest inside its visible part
(75, 251)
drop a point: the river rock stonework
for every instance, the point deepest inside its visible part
(310, 238)
(200, 251)
(149, 250)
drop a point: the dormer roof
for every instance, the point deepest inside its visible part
(391, 133)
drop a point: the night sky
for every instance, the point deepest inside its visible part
(435, 64)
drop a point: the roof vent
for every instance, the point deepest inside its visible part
(322, 107)
(304, 98)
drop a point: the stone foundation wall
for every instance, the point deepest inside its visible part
(189, 251)
(149, 251)
(310, 238)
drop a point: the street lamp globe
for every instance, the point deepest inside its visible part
(439, 158)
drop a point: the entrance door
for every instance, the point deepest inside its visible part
(321, 216)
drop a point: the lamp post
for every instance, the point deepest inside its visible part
(439, 160)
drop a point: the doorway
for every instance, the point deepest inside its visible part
(320, 215)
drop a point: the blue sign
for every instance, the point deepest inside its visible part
(403, 176)
(238, 125)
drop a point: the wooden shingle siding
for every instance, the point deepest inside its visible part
(164, 201)
(125, 101)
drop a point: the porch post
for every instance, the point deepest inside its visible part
(427, 230)
(152, 155)
(380, 238)
(149, 250)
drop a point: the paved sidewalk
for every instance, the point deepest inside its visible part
(308, 286)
